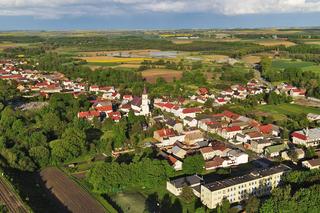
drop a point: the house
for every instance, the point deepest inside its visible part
(175, 125)
(167, 137)
(297, 92)
(306, 137)
(89, 115)
(189, 121)
(269, 130)
(207, 153)
(216, 162)
(313, 117)
(274, 150)
(190, 112)
(175, 186)
(161, 134)
(175, 163)
(104, 109)
(192, 137)
(311, 164)
(219, 149)
(238, 157)
(115, 116)
(127, 98)
(258, 146)
(293, 154)
(178, 152)
(203, 91)
(255, 135)
(229, 132)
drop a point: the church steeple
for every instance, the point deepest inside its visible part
(144, 90)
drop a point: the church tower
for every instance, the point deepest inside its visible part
(145, 109)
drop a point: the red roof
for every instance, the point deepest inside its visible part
(191, 110)
(299, 135)
(217, 145)
(172, 160)
(215, 162)
(166, 132)
(231, 114)
(206, 149)
(127, 97)
(104, 108)
(232, 128)
(115, 116)
(203, 91)
(88, 114)
(10, 76)
(266, 129)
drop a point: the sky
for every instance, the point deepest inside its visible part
(156, 14)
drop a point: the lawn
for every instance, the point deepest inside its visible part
(283, 64)
(288, 109)
(130, 201)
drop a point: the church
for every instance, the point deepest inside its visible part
(141, 105)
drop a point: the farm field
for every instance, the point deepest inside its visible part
(251, 59)
(270, 43)
(288, 109)
(9, 197)
(69, 193)
(151, 75)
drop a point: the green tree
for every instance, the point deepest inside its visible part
(193, 164)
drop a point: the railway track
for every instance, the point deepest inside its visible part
(10, 199)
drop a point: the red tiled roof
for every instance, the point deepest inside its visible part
(232, 128)
(217, 145)
(172, 160)
(191, 110)
(166, 132)
(88, 114)
(215, 162)
(266, 129)
(231, 114)
(104, 108)
(206, 149)
(128, 97)
(254, 134)
(114, 115)
(299, 135)
(203, 91)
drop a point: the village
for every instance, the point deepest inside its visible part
(225, 140)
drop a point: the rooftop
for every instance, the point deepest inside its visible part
(217, 185)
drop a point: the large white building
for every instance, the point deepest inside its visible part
(306, 137)
(257, 183)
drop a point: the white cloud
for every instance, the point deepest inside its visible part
(58, 8)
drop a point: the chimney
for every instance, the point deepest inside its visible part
(307, 131)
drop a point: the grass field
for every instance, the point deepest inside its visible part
(151, 75)
(133, 202)
(287, 109)
(283, 64)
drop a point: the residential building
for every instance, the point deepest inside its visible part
(175, 186)
(257, 183)
(306, 137)
(312, 164)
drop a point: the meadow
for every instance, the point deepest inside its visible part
(286, 63)
(287, 109)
